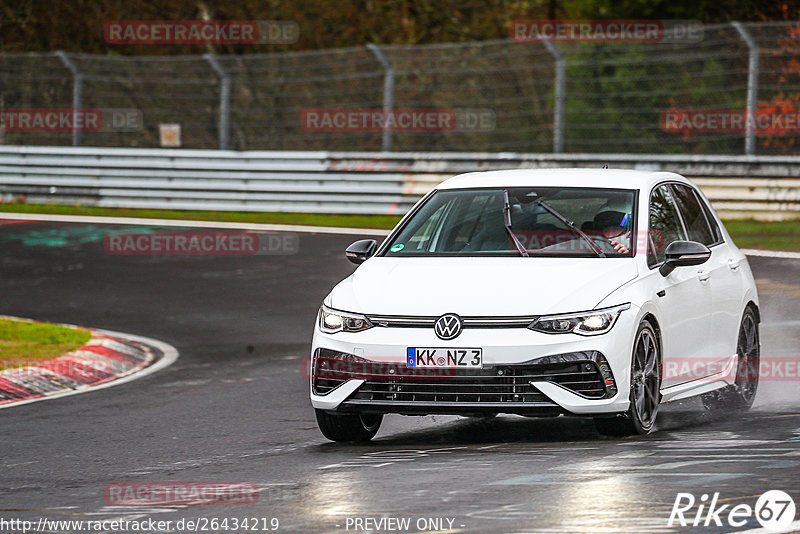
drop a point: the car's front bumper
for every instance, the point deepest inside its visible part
(517, 376)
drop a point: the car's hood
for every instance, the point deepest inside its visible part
(480, 286)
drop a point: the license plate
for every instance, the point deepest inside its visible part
(425, 357)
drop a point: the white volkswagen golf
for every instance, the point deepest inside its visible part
(584, 292)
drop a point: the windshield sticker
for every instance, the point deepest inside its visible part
(397, 248)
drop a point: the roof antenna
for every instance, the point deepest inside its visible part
(605, 165)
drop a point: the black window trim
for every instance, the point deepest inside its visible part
(708, 212)
(700, 199)
(703, 208)
(677, 210)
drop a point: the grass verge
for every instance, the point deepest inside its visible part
(28, 343)
(780, 235)
(777, 235)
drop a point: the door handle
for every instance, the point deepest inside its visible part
(733, 264)
(703, 276)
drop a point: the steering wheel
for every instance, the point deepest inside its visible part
(605, 243)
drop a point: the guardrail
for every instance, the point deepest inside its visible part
(762, 187)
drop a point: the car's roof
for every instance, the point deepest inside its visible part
(605, 178)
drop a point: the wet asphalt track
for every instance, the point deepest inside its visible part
(234, 408)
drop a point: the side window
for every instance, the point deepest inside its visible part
(665, 225)
(712, 222)
(693, 215)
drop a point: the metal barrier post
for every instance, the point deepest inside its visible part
(388, 94)
(558, 97)
(224, 102)
(752, 88)
(77, 94)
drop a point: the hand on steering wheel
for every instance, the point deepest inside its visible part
(611, 244)
(619, 247)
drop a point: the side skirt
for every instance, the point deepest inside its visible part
(702, 385)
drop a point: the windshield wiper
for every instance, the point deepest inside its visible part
(571, 225)
(507, 222)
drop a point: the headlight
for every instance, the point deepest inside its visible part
(332, 321)
(589, 323)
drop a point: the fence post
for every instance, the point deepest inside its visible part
(77, 94)
(224, 101)
(388, 94)
(752, 88)
(558, 97)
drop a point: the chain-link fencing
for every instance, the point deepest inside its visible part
(574, 97)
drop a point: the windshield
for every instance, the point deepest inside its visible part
(470, 222)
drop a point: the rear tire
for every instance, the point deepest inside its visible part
(739, 397)
(348, 427)
(645, 392)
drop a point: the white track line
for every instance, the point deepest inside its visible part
(169, 355)
(192, 224)
(772, 254)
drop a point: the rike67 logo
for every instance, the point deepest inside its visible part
(774, 510)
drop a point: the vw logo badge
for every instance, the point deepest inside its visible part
(448, 326)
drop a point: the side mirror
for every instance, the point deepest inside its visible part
(684, 254)
(359, 251)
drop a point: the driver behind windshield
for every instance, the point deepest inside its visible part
(613, 226)
(533, 221)
(611, 222)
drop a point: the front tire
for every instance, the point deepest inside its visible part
(740, 395)
(348, 427)
(645, 392)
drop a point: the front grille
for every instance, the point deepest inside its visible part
(400, 321)
(491, 385)
(464, 389)
(585, 373)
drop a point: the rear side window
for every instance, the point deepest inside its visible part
(665, 225)
(712, 222)
(693, 215)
